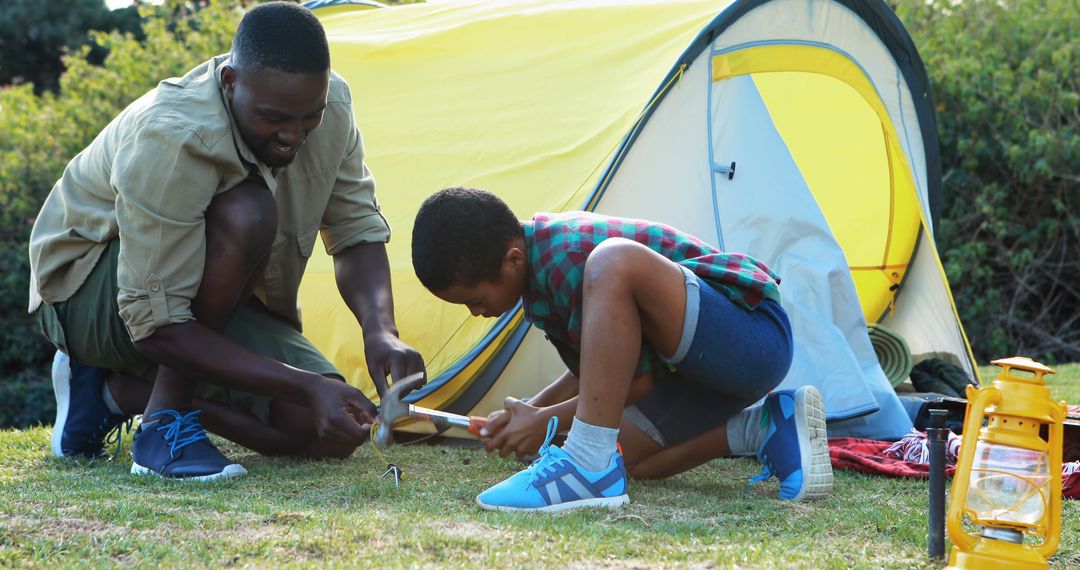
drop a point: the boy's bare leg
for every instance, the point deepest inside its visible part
(629, 292)
(645, 459)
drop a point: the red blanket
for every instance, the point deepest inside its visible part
(868, 456)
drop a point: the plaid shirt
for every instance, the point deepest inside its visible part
(557, 246)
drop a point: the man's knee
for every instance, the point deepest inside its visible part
(245, 217)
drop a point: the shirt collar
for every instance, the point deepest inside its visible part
(528, 297)
(242, 148)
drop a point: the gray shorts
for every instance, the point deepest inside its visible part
(728, 358)
(88, 327)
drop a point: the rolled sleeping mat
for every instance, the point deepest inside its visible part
(892, 352)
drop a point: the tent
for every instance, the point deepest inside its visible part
(798, 131)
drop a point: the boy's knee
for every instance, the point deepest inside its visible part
(610, 260)
(245, 216)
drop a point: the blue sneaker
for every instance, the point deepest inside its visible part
(796, 449)
(84, 425)
(554, 483)
(175, 445)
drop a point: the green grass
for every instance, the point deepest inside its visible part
(340, 513)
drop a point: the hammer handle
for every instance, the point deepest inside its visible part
(475, 423)
(443, 419)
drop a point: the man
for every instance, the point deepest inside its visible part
(166, 262)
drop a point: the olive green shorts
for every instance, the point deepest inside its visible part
(89, 329)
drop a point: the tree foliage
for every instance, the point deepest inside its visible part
(35, 35)
(1005, 80)
(42, 133)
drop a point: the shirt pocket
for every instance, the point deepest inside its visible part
(305, 240)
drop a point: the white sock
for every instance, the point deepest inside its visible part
(109, 401)
(591, 446)
(745, 433)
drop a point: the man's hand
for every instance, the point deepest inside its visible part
(341, 412)
(388, 354)
(518, 428)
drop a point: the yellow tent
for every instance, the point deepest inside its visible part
(798, 131)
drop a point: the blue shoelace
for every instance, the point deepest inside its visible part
(184, 430)
(545, 464)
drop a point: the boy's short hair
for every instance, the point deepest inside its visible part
(460, 237)
(282, 36)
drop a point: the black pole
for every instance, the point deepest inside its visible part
(937, 436)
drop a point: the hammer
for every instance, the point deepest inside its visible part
(393, 409)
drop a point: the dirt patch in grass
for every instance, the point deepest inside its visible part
(55, 530)
(468, 530)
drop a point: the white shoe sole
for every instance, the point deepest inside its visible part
(61, 382)
(810, 423)
(230, 471)
(604, 502)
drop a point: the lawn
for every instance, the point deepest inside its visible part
(342, 514)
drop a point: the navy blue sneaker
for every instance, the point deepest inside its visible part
(175, 445)
(84, 424)
(796, 448)
(554, 482)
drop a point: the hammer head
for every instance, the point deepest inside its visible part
(392, 408)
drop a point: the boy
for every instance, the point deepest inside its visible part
(172, 249)
(643, 316)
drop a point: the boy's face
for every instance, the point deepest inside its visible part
(491, 298)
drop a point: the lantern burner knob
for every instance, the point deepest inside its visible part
(1006, 534)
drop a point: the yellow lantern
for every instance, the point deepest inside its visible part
(1008, 478)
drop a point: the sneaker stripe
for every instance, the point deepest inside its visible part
(610, 479)
(579, 485)
(554, 496)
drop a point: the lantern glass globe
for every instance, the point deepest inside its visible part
(1009, 486)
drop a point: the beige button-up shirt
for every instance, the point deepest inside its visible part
(149, 177)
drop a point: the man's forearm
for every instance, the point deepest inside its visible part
(363, 278)
(197, 352)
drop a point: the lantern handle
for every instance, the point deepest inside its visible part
(978, 401)
(1058, 412)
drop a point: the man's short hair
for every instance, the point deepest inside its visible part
(282, 36)
(460, 237)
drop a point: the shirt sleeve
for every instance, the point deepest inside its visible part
(164, 180)
(352, 214)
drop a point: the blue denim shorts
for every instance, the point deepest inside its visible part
(728, 358)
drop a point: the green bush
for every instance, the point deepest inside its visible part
(1004, 78)
(41, 134)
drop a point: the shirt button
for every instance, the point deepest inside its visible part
(154, 287)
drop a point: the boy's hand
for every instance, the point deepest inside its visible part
(519, 429)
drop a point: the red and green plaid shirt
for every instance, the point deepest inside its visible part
(557, 246)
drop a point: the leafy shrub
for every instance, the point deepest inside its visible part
(34, 35)
(1004, 77)
(41, 134)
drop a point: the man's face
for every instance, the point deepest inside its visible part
(275, 110)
